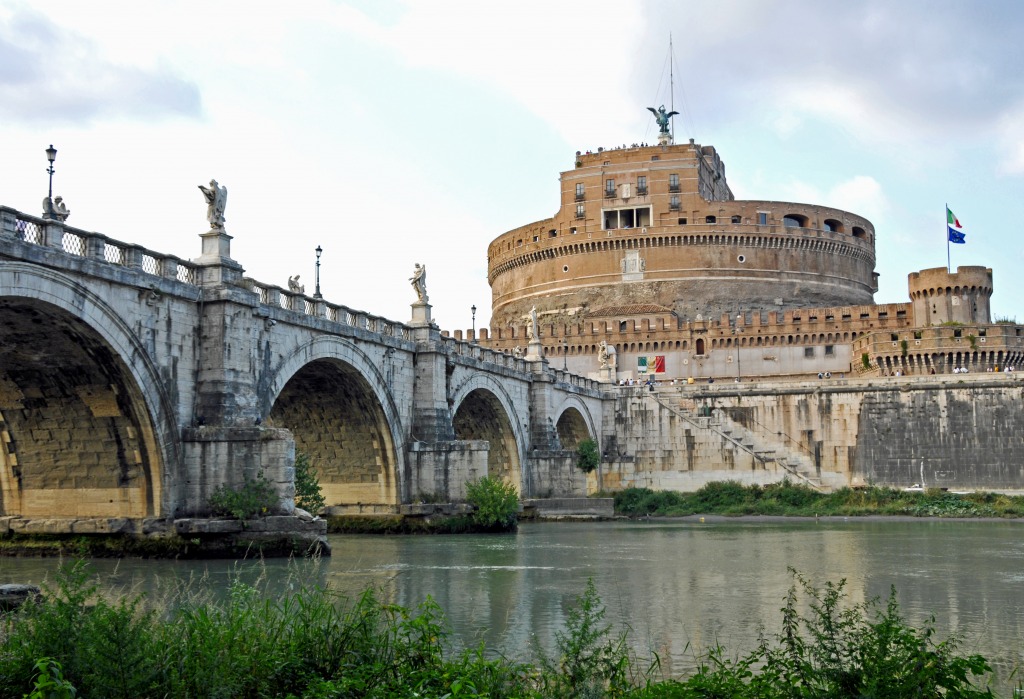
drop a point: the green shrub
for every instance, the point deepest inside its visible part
(865, 360)
(587, 456)
(308, 494)
(255, 497)
(496, 503)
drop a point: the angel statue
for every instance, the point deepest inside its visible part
(294, 285)
(662, 117)
(216, 199)
(606, 355)
(419, 282)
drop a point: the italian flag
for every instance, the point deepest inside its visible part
(951, 219)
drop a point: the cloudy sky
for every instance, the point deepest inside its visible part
(393, 132)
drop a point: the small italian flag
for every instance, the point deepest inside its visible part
(951, 219)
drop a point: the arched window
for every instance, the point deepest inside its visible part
(859, 232)
(710, 219)
(794, 221)
(700, 346)
(833, 225)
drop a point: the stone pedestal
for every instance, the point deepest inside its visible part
(420, 314)
(607, 374)
(534, 350)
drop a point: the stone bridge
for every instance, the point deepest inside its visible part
(134, 383)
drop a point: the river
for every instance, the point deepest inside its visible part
(680, 585)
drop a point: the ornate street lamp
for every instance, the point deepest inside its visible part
(51, 155)
(472, 309)
(317, 295)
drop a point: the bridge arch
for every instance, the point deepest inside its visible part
(483, 411)
(87, 425)
(575, 423)
(336, 403)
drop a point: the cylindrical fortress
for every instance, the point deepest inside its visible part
(659, 226)
(940, 296)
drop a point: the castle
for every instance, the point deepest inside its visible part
(651, 253)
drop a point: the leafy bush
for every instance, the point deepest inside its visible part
(256, 496)
(587, 456)
(308, 494)
(590, 661)
(496, 503)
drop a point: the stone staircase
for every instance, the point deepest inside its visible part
(766, 448)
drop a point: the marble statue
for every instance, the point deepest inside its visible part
(49, 212)
(419, 282)
(662, 117)
(517, 352)
(606, 355)
(60, 209)
(294, 286)
(534, 330)
(216, 200)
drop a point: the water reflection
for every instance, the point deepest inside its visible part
(679, 585)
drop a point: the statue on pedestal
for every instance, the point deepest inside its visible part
(606, 355)
(419, 282)
(216, 200)
(294, 286)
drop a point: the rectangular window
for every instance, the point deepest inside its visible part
(580, 211)
(580, 191)
(830, 350)
(673, 182)
(682, 222)
(762, 218)
(673, 202)
(808, 353)
(609, 188)
(641, 185)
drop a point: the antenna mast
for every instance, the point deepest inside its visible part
(671, 85)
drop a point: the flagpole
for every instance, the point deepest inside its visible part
(949, 267)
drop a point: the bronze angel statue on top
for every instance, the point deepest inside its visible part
(662, 117)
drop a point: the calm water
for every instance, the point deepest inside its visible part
(679, 585)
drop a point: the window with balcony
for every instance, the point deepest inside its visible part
(641, 186)
(673, 182)
(673, 202)
(609, 188)
(580, 191)
(580, 211)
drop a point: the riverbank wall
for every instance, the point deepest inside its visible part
(957, 432)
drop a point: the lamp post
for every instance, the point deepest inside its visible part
(472, 309)
(51, 155)
(317, 295)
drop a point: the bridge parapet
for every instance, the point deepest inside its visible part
(90, 245)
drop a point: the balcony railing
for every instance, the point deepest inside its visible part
(673, 188)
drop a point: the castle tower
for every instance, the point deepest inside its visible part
(940, 296)
(658, 225)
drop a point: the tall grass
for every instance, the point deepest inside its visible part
(787, 498)
(310, 644)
